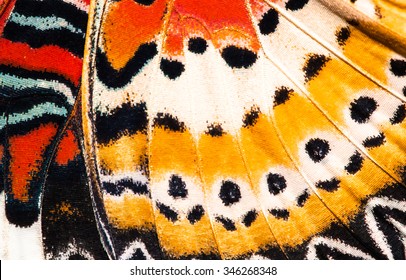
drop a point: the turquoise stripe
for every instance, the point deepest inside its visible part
(17, 83)
(44, 23)
(36, 112)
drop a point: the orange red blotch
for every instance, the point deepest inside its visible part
(26, 157)
(68, 148)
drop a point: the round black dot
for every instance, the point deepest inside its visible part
(295, 5)
(269, 22)
(362, 108)
(177, 187)
(172, 68)
(197, 45)
(317, 149)
(276, 183)
(237, 57)
(398, 67)
(145, 2)
(229, 193)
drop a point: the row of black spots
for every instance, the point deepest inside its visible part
(117, 188)
(355, 163)
(399, 115)
(269, 22)
(313, 65)
(194, 215)
(342, 35)
(282, 95)
(295, 5)
(113, 78)
(362, 108)
(169, 122)
(215, 130)
(374, 141)
(280, 213)
(21, 73)
(398, 67)
(66, 187)
(251, 117)
(127, 119)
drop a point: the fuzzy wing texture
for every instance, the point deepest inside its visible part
(45, 205)
(247, 129)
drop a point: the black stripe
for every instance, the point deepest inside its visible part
(118, 78)
(21, 105)
(37, 75)
(27, 126)
(36, 38)
(127, 119)
(58, 8)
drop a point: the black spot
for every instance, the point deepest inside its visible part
(342, 35)
(301, 200)
(353, 22)
(229, 193)
(127, 119)
(295, 5)
(355, 163)
(353, 1)
(195, 214)
(399, 115)
(238, 57)
(329, 185)
(282, 95)
(215, 130)
(374, 141)
(167, 121)
(276, 183)
(249, 218)
(21, 214)
(317, 149)
(313, 65)
(172, 68)
(269, 22)
(197, 45)
(119, 78)
(227, 223)
(145, 2)
(165, 210)
(76, 257)
(177, 187)
(138, 255)
(117, 188)
(280, 213)
(362, 108)
(404, 91)
(398, 67)
(251, 117)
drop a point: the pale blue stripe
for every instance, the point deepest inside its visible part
(37, 111)
(17, 83)
(44, 23)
